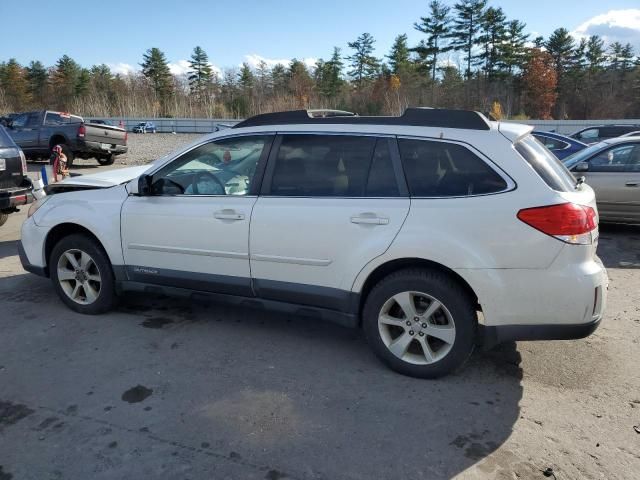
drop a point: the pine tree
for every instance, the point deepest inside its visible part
(560, 46)
(37, 78)
(364, 66)
(513, 50)
(300, 82)
(467, 26)
(399, 55)
(82, 85)
(436, 26)
(279, 79)
(14, 83)
(493, 37)
(156, 69)
(595, 53)
(245, 77)
(65, 81)
(201, 75)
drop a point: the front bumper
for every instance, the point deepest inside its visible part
(14, 197)
(29, 267)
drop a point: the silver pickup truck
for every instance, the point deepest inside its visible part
(38, 132)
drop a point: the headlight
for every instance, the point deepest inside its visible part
(36, 205)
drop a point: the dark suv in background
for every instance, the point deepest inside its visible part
(602, 132)
(15, 187)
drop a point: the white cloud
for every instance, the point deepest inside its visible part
(122, 68)
(614, 26)
(254, 60)
(182, 67)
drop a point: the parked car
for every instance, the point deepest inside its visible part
(602, 132)
(407, 226)
(560, 145)
(100, 122)
(612, 169)
(632, 134)
(145, 127)
(38, 132)
(15, 187)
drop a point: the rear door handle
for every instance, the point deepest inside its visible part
(228, 214)
(369, 219)
(631, 184)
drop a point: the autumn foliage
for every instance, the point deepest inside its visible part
(540, 80)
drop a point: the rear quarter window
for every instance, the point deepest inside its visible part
(443, 169)
(545, 164)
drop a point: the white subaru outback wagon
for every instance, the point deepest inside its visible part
(436, 231)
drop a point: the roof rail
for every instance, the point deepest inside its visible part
(416, 117)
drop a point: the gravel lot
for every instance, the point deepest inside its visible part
(164, 388)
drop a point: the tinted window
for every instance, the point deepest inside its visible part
(441, 169)
(591, 133)
(382, 179)
(546, 165)
(624, 158)
(20, 121)
(551, 143)
(53, 118)
(323, 165)
(33, 120)
(223, 167)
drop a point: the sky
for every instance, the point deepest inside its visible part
(118, 32)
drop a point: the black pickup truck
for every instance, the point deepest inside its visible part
(15, 187)
(38, 132)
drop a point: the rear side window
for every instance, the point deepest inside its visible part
(552, 143)
(333, 166)
(546, 165)
(441, 169)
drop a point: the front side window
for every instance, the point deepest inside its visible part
(223, 167)
(442, 169)
(590, 134)
(20, 121)
(624, 158)
(333, 166)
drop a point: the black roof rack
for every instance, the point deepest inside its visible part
(416, 117)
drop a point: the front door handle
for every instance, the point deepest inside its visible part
(369, 219)
(228, 214)
(631, 184)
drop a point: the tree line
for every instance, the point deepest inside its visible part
(471, 55)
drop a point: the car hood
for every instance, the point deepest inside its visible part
(106, 179)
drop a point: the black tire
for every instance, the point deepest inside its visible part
(108, 160)
(456, 300)
(106, 297)
(3, 218)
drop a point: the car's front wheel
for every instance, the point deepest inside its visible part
(421, 323)
(82, 275)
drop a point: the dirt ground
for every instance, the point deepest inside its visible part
(165, 388)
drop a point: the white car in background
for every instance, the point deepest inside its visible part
(436, 231)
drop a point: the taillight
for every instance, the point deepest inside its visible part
(81, 131)
(24, 162)
(568, 222)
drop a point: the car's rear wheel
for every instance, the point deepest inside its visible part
(420, 323)
(108, 160)
(82, 274)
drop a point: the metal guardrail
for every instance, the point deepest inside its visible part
(170, 125)
(208, 125)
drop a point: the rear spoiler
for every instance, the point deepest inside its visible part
(514, 132)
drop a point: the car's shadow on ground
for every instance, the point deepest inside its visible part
(8, 248)
(257, 390)
(619, 246)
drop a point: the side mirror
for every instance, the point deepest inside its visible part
(582, 167)
(141, 186)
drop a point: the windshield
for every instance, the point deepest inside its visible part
(573, 159)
